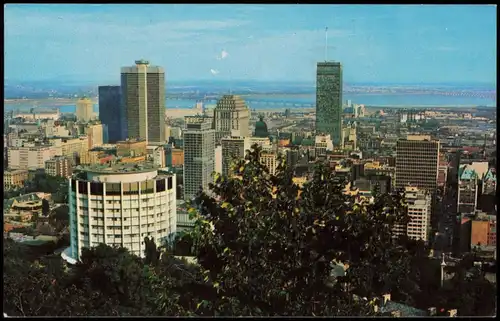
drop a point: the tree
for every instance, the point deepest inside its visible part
(269, 246)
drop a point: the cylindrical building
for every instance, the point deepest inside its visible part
(119, 205)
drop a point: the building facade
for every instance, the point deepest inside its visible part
(120, 206)
(30, 157)
(59, 166)
(233, 149)
(143, 92)
(112, 112)
(231, 114)
(419, 210)
(469, 178)
(84, 109)
(417, 162)
(329, 100)
(199, 155)
(14, 178)
(131, 147)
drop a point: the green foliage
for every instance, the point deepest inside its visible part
(269, 251)
(59, 218)
(264, 246)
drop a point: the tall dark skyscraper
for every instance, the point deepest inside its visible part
(112, 113)
(329, 100)
(143, 90)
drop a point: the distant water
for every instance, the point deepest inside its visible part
(388, 100)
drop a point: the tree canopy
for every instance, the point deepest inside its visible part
(265, 247)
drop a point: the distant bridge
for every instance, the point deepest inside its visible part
(263, 102)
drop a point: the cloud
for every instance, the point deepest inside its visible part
(214, 72)
(223, 55)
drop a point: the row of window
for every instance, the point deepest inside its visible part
(97, 188)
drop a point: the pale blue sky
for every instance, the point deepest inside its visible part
(398, 44)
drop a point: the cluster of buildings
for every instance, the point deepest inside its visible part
(132, 171)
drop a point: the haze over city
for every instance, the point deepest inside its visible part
(378, 44)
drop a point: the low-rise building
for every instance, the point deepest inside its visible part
(131, 147)
(483, 231)
(13, 178)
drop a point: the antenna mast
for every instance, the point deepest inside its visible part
(326, 44)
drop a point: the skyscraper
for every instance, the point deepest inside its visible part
(143, 90)
(84, 109)
(112, 113)
(329, 100)
(231, 113)
(417, 162)
(199, 155)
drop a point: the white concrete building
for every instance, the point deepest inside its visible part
(156, 154)
(120, 205)
(322, 144)
(419, 210)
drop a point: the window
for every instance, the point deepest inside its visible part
(96, 188)
(82, 187)
(160, 185)
(130, 189)
(113, 189)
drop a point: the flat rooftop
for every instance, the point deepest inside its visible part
(119, 168)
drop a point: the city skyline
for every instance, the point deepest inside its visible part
(426, 44)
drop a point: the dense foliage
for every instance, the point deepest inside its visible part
(265, 247)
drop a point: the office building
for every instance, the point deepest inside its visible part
(95, 133)
(59, 166)
(84, 109)
(417, 162)
(199, 155)
(143, 93)
(329, 101)
(120, 206)
(231, 114)
(112, 112)
(233, 150)
(30, 157)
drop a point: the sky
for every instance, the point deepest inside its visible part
(378, 43)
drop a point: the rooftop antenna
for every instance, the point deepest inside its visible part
(326, 44)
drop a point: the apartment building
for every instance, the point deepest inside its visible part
(59, 166)
(120, 206)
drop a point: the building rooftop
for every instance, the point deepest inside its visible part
(119, 168)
